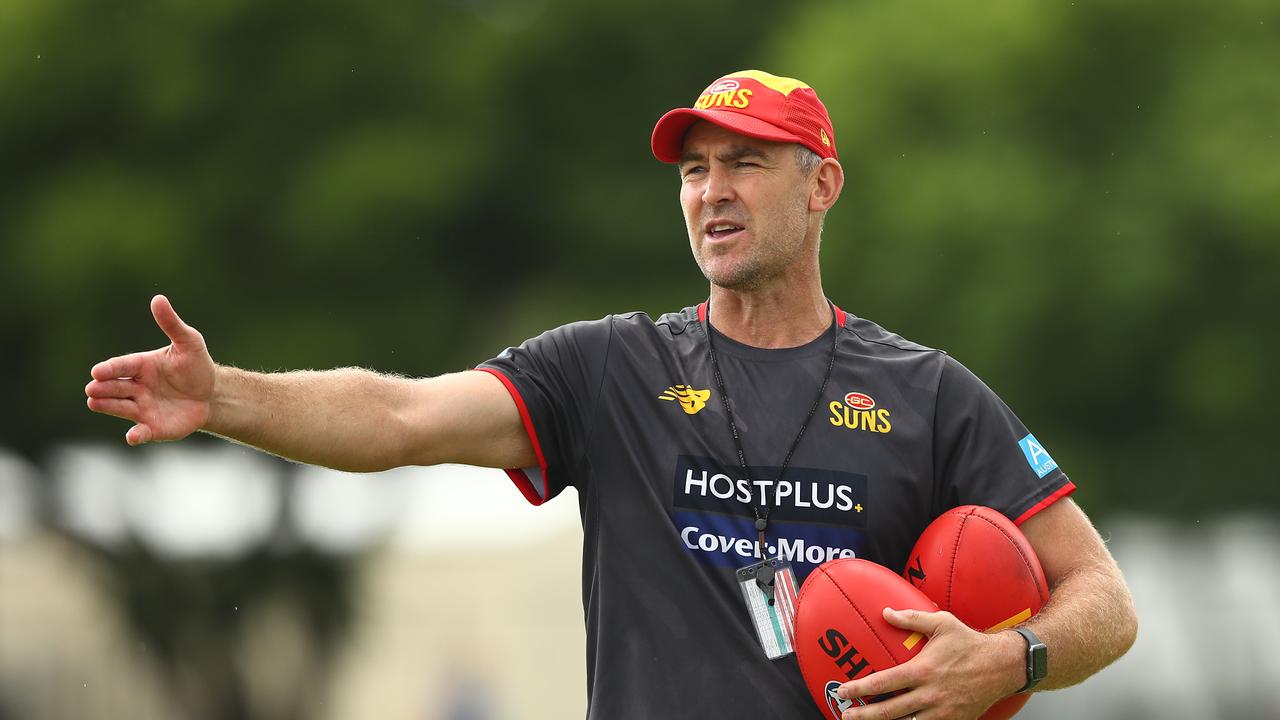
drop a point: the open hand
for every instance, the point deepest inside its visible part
(166, 392)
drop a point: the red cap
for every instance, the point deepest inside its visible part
(755, 104)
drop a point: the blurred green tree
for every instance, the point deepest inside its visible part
(1082, 203)
(1079, 201)
(402, 185)
(408, 186)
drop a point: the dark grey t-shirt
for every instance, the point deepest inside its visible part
(626, 410)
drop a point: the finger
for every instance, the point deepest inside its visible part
(906, 705)
(172, 325)
(111, 389)
(116, 407)
(138, 434)
(921, 622)
(877, 683)
(118, 367)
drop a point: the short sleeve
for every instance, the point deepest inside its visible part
(554, 380)
(984, 455)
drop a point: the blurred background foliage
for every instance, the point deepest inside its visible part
(1080, 201)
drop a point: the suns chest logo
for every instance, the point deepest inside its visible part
(859, 412)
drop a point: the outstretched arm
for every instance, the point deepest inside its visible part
(1088, 623)
(349, 419)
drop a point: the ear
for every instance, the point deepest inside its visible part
(825, 186)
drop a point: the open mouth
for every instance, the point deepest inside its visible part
(722, 230)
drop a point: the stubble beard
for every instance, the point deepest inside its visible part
(767, 260)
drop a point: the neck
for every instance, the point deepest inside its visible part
(778, 317)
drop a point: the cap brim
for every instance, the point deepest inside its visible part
(668, 134)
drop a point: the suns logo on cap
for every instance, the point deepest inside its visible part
(726, 93)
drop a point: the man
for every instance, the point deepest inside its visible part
(763, 422)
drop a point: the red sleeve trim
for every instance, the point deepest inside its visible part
(1058, 494)
(518, 475)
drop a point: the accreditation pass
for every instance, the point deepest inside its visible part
(769, 590)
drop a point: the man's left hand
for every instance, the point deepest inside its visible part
(957, 676)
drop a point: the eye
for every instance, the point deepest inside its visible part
(691, 170)
(747, 164)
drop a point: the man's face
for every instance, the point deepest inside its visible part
(746, 206)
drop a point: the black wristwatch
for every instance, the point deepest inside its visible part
(1037, 658)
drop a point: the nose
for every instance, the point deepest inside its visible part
(719, 188)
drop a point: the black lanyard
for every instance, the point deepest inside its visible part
(762, 512)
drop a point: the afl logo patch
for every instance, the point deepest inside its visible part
(723, 86)
(836, 703)
(859, 401)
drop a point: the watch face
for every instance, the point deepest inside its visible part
(1039, 661)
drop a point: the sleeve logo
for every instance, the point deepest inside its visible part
(1037, 456)
(691, 400)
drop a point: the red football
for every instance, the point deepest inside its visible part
(974, 562)
(841, 633)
